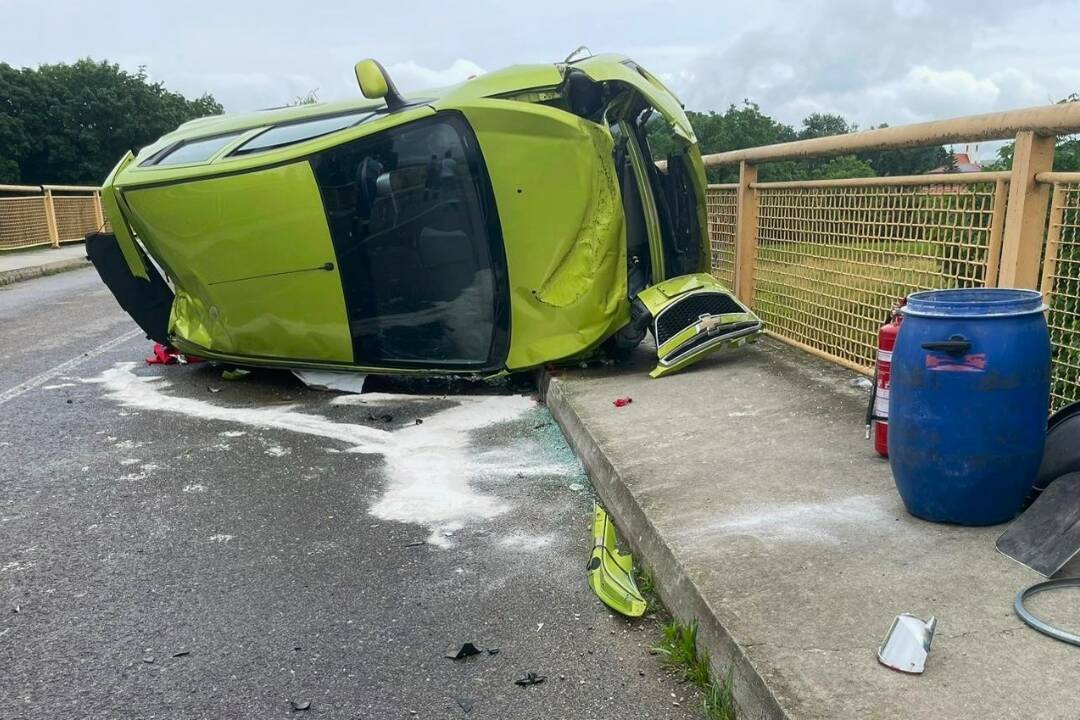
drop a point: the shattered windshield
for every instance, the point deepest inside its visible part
(418, 246)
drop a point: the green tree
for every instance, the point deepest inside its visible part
(908, 161)
(950, 161)
(71, 123)
(823, 125)
(743, 126)
(736, 128)
(844, 166)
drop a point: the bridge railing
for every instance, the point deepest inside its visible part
(35, 215)
(821, 261)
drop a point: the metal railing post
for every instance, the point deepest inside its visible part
(99, 215)
(997, 230)
(1053, 239)
(1021, 247)
(50, 219)
(746, 226)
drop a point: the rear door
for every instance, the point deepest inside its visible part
(251, 260)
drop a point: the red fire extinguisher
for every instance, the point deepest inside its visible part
(877, 412)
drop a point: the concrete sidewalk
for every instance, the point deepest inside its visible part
(28, 264)
(746, 485)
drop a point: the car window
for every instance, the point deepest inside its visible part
(193, 151)
(418, 246)
(296, 132)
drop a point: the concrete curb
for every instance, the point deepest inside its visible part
(7, 277)
(674, 585)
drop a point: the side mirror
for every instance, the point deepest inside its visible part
(375, 83)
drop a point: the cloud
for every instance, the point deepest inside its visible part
(410, 75)
(872, 61)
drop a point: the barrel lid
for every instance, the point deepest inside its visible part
(974, 302)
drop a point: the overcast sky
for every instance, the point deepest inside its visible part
(894, 61)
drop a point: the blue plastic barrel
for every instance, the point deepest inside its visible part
(969, 397)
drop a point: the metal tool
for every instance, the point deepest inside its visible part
(1047, 535)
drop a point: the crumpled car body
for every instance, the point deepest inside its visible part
(510, 221)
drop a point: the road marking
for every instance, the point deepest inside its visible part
(28, 385)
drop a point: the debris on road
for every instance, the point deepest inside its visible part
(530, 678)
(149, 659)
(182, 653)
(466, 704)
(166, 355)
(300, 706)
(907, 644)
(466, 650)
(328, 380)
(1047, 535)
(1044, 627)
(622, 402)
(611, 573)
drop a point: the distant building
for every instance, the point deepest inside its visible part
(964, 164)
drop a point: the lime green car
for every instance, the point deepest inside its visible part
(510, 221)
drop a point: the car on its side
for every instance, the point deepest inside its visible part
(513, 220)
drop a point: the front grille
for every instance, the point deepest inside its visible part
(735, 330)
(686, 312)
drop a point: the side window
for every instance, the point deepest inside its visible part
(418, 246)
(291, 133)
(192, 151)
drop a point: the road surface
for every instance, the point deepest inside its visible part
(174, 545)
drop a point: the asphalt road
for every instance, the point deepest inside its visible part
(189, 547)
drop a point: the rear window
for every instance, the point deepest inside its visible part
(192, 151)
(292, 133)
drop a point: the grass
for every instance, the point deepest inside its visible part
(647, 586)
(680, 653)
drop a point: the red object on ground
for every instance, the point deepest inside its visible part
(166, 355)
(886, 342)
(622, 402)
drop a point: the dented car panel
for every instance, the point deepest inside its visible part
(198, 231)
(512, 220)
(617, 68)
(558, 199)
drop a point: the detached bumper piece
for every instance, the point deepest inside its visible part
(611, 573)
(148, 302)
(694, 316)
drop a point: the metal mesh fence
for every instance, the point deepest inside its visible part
(76, 216)
(22, 222)
(831, 260)
(720, 200)
(24, 217)
(1061, 286)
